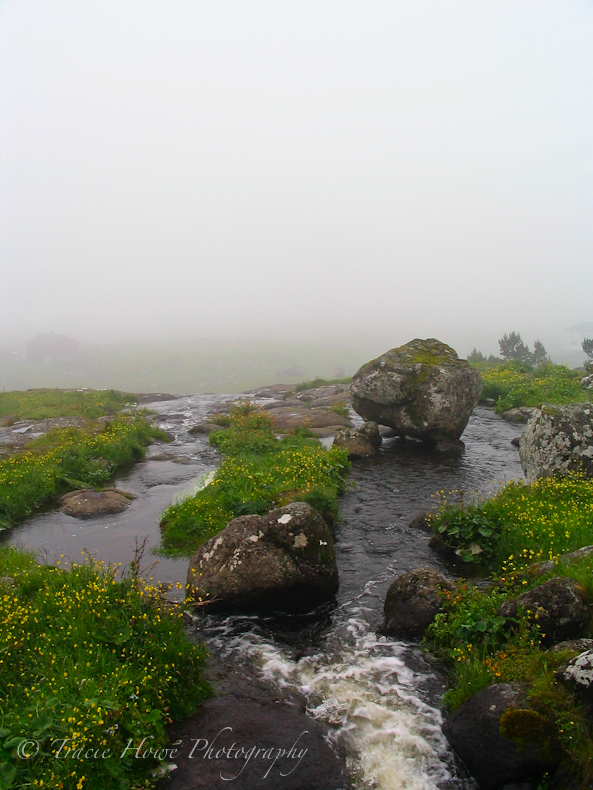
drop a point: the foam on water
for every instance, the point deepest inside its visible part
(362, 685)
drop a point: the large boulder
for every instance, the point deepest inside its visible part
(412, 602)
(359, 442)
(557, 440)
(283, 560)
(477, 730)
(422, 390)
(558, 606)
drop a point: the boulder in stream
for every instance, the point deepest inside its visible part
(422, 390)
(88, 503)
(284, 560)
(557, 440)
(359, 442)
(412, 602)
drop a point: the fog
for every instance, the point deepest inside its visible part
(311, 171)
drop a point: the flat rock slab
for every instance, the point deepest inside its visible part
(89, 503)
(249, 745)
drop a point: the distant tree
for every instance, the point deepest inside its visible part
(512, 347)
(539, 354)
(476, 356)
(588, 347)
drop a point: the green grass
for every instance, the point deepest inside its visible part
(259, 472)
(42, 403)
(521, 525)
(68, 459)
(314, 383)
(92, 662)
(514, 384)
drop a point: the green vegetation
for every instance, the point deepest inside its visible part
(340, 408)
(522, 523)
(88, 662)
(314, 383)
(520, 526)
(43, 403)
(68, 459)
(513, 384)
(259, 472)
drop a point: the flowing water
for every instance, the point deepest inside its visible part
(379, 694)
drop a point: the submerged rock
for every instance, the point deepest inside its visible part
(558, 606)
(421, 389)
(520, 414)
(558, 439)
(475, 731)
(412, 602)
(88, 503)
(283, 560)
(359, 442)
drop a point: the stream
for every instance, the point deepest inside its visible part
(380, 695)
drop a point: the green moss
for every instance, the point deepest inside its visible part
(524, 727)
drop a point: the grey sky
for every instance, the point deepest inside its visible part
(418, 168)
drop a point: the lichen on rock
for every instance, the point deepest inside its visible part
(558, 440)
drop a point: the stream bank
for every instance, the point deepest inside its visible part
(378, 697)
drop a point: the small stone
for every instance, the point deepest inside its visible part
(412, 602)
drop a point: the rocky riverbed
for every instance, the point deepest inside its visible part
(374, 697)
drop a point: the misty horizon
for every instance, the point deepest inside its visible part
(304, 173)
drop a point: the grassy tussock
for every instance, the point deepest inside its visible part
(89, 661)
(514, 384)
(259, 472)
(66, 459)
(521, 525)
(43, 403)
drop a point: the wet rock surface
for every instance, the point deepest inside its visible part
(283, 560)
(574, 645)
(421, 389)
(412, 602)
(250, 736)
(558, 606)
(88, 503)
(311, 408)
(557, 440)
(360, 442)
(474, 731)
(519, 414)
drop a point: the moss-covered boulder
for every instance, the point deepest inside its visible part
(500, 738)
(422, 390)
(284, 560)
(557, 440)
